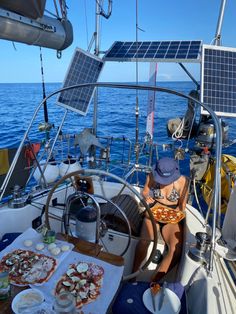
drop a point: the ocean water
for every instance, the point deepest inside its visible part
(116, 113)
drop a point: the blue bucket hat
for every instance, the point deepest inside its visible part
(166, 171)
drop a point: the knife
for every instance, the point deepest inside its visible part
(155, 288)
(162, 295)
(153, 301)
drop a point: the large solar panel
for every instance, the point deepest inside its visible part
(151, 51)
(218, 79)
(84, 68)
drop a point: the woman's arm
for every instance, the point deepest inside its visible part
(146, 190)
(183, 193)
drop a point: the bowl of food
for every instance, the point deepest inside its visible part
(27, 300)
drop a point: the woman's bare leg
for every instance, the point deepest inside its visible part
(142, 246)
(173, 236)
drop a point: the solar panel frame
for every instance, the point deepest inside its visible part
(155, 51)
(84, 68)
(218, 80)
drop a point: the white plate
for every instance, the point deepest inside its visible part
(25, 296)
(171, 303)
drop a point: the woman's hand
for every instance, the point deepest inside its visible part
(149, 199)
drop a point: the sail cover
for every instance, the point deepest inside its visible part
(30, 8)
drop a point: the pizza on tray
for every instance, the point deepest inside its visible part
(26, 267)
(83, 280)
(167, 215)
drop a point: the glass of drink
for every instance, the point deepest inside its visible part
(64, 303)
(5, 288)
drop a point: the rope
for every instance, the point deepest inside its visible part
(178, 133)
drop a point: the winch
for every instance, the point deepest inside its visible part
(199, 252)
(18, 200)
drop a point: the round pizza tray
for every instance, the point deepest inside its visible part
(164, 211)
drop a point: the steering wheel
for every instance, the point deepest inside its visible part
(99, 174)
(102, 223)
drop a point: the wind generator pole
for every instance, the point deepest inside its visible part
(217, 41)
(99, 12)
(137, 103)
(96, 52)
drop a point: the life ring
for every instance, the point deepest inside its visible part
(228, 173)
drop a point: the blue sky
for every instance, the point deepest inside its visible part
(160, 20)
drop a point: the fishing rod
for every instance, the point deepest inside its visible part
(45, 109)
(46, 126)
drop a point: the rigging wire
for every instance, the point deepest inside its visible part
(102, 12)
(63, 8)
(56, 8)
(86, 22)
(52, 14)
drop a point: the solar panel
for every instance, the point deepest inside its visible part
(151, 51)
(219, 79)
(84, 68)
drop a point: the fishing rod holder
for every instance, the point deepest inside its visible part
(45, 127)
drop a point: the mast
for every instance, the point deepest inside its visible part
(217, 40)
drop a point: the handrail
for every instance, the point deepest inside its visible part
(218, 130)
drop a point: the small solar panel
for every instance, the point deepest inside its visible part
(219, 79)
(84, 68)
(151, 51)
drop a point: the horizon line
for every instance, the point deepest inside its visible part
(120, 82)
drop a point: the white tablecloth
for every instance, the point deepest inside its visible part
(111, 281)
(31, 234)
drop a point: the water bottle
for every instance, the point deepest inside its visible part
(64, 303)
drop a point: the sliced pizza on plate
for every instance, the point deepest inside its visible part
(27, 267)
(83, 280)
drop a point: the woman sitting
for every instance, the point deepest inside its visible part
(165, 186)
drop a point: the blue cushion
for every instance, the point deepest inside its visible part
(130, 298)
(7, 239)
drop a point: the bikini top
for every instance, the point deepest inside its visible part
(173, 197)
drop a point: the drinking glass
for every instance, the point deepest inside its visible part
(64, 303)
